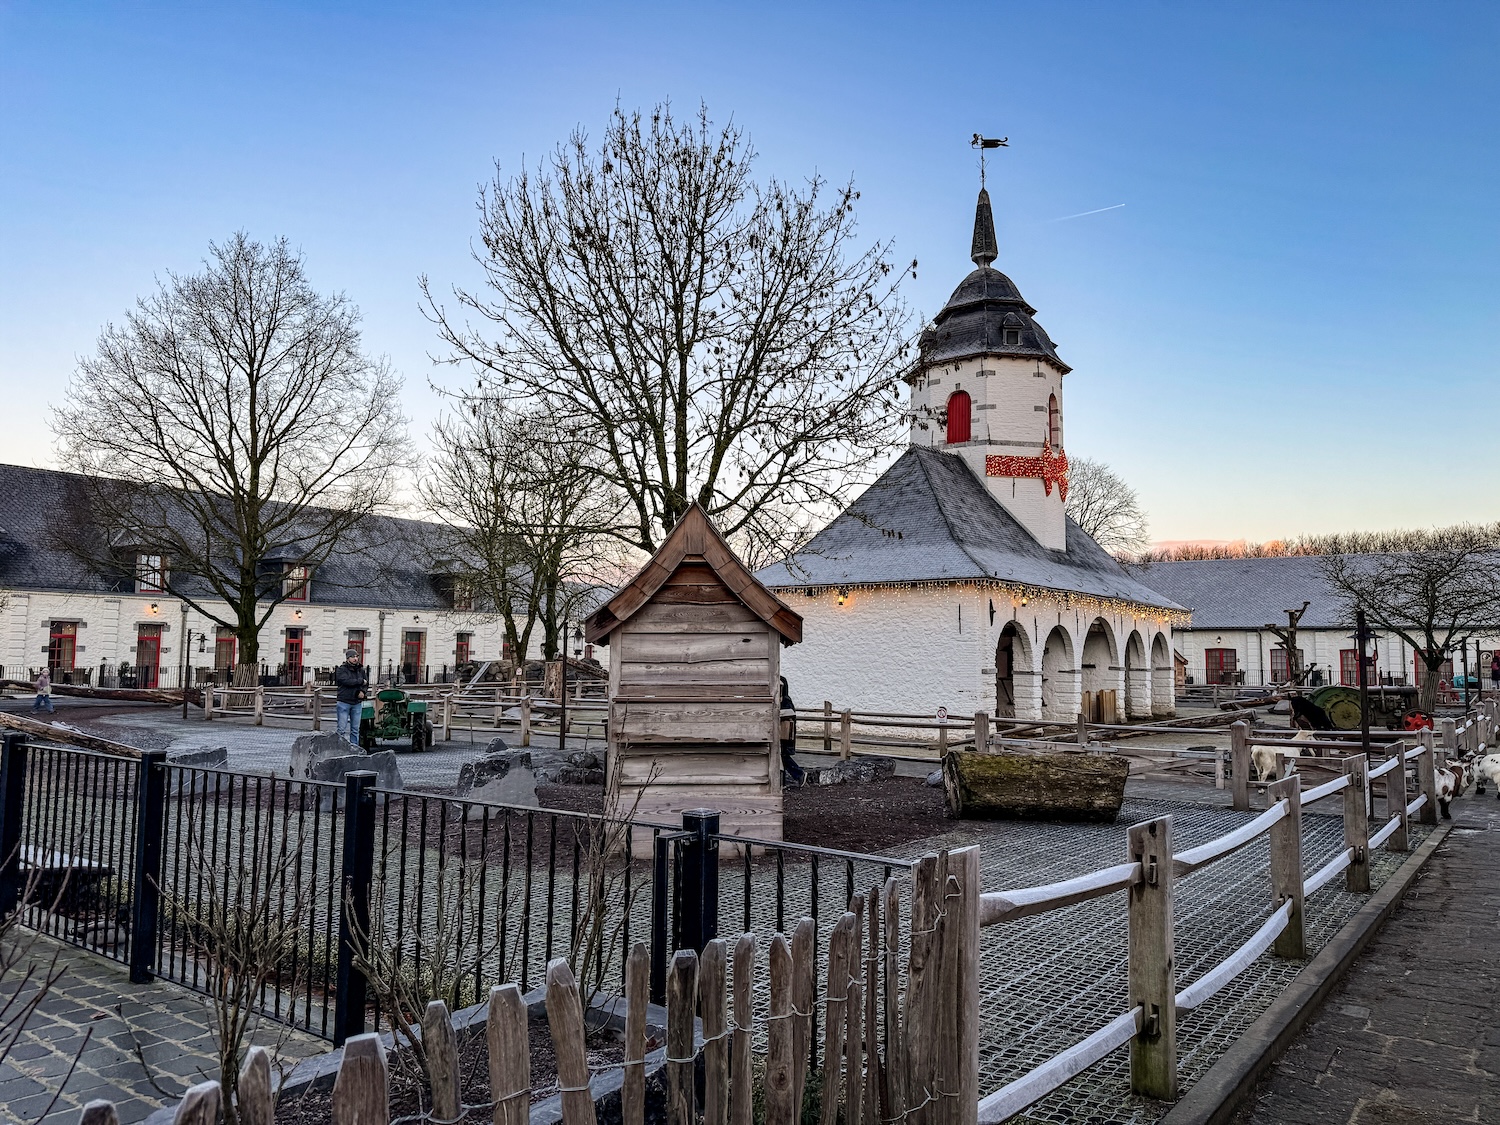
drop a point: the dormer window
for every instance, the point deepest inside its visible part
(150, 574)
(294, 582)
(959, 406)
(1011, 337)
(463, 597)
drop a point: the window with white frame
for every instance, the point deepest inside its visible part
(150, 574)
(294, 582)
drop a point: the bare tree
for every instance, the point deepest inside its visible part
(1105, 506)
(527, 511)
(235, 435)
(1433, 589)
(716, 339)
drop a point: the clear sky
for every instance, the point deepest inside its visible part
(1290, 326)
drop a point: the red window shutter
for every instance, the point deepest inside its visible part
(958, 417)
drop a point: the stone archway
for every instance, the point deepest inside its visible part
(1015, 674)
(1100, 670)
(1163, 678)
(1137, 678)
(1059, 677)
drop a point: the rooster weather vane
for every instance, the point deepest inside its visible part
(982, 143)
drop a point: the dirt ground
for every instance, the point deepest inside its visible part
(854, 818)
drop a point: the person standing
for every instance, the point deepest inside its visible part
(43, 700)
(788, 731)
(352, 683)
(1495, 672)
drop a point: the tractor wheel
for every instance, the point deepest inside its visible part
(428, 725)
(366, 735)
(1416, 719)
(416, 737)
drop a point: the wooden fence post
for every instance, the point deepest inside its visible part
(499, 707)
(873, 1114)
(252, 1092)
(715, 1033)
(510, 1055)
(827, 726)
(682, 988)
(1357, 822)
(1286, 866)
(448, 715)
(200, 1105)
(362, 1090)
(981, 731)
(961, 942)
(804, 1001)
(317, 708)
(1239, 763)
(895, 1051)
(441, 1047)
(260, 704)
(526, 719)
(1083, 729)
(922, 1001)
(565, 1018)
(1427, 779)
(208, 702)
(846, 736)
(1450, 736)
(835, 1022)
(1395, 802)
(1219, 767)
(99, 1112)
(1152, 972)
(782, 1088)
(741, 1091)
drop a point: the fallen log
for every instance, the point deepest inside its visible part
(125, 695)
(1047, 785)
(52, 733)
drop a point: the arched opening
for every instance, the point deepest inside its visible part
(1137, 678)
(1100, 674)
(1013, 674)
(1059, 677)
(1163, 677)
(1054, 423)
(959, 408)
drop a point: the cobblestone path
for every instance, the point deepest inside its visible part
(1412, 1035)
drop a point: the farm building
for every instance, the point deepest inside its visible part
(694, 681)
(956, 579)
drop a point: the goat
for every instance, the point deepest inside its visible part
(1264, 757)
(1449, 783)
(1485, 769)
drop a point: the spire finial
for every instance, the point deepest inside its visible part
(984, 249)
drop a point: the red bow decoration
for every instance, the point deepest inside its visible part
(1051, 467)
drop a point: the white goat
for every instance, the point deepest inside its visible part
(1264, 757)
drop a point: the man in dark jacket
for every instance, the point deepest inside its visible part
(794, 771)
(352, 682)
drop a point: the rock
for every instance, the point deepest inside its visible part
(502, 777)
(570, 775)
(584, 760)
(310, 749)
(382, 762)
(935, 779)
(860, 771)
(496, 746)
(188, 781)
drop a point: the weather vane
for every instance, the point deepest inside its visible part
(982, 143)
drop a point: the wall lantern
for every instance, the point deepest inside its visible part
(1024, 600)
(202, 643)
(296, 615)
(153, 608)
(843, 594)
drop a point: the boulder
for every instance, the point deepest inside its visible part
(310, 749)
(584, 760)
(495, 746)
(502, 777)
(570, 775)
(860, 771)
(382, 762)
(186, 780)
(935, 779)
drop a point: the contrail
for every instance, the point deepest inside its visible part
(1081, 214)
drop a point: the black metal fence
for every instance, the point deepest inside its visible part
(323, 886)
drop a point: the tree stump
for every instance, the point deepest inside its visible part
(1042, 786)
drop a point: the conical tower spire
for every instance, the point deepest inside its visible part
(985, 250)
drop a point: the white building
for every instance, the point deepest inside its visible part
(956, 579)
(92, 627)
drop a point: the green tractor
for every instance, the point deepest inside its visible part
(394, 716)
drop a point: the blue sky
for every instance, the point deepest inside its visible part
(1291, 325)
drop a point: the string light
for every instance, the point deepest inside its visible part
(1019, 593)
(1051, 467)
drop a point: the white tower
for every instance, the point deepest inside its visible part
(987, 385)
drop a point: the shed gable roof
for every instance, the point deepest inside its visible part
(694, 537)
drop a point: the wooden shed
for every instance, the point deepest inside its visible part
(694, 674)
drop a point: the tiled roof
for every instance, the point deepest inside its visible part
(929, 518)
(1248, 593)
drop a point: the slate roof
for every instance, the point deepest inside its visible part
(929, 518)
(1248, 593)
(390, 568)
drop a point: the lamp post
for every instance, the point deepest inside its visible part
(187, 639)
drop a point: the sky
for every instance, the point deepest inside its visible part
(1292, 324)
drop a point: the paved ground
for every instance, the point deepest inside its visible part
(145, 1043)
(1412, 1036)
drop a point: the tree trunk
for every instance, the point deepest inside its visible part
(1061, 785)
(1427, 690)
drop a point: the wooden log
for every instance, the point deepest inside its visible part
(715, 1033)
(1041, 786)
(440, 1045)
(741, 1092)
(637, 995)
(200, 1105)
(836, 999)
(99, 1112)
(804, 1002)
(895, 1050)
(565, 1019)
(67, 737)
(362, 1092)
(782, 1091)
(254, 1099)
(682, 989)
(124, 695)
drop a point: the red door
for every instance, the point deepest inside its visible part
(147, 655)
(413, 641)
(1219, 665)
(294, 657)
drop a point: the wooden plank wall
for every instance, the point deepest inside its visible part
(694, 695)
